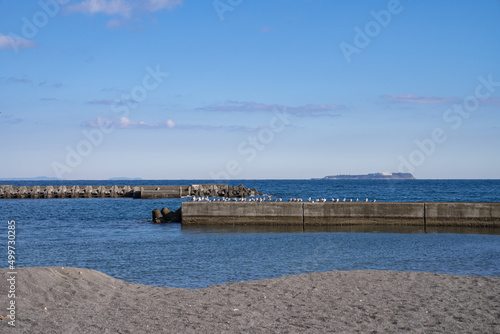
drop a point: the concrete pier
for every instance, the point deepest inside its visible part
(330, 214)
(143, 192)
(202, 213)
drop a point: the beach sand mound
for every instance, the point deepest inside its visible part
(72, 300)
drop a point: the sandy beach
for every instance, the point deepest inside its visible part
(72, 300)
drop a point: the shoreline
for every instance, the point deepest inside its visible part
(72, 300)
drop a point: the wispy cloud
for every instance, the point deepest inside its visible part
(206, 127)
(16, 80)
(154, 5)
(127, 123)
(46, 83)
(493, 101)
(103, 102)
(416, 99)
(13, 42)
(308, 110)
(121, 8)
(10, 119)
(108, 102)
(108, 7)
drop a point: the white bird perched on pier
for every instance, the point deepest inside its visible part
(323, 200)
(366, 199)
(309, 199)
(374, 200)
(343, 200)
(337, 200)
(350, 200)
(357, 200)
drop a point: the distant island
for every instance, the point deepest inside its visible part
(38, 178)
(371, 176)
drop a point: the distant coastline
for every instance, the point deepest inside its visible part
(46, 178)
(370, 176)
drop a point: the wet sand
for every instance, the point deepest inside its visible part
(72, 300)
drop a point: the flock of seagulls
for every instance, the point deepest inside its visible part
(269, 199)
(234, 199)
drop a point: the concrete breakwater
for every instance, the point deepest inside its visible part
(143, 192)
(344, 213)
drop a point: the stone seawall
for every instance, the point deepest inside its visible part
(144, 192)
(355, 213)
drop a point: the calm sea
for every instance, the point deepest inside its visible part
(115, 236)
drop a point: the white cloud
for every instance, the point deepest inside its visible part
(127, 123)
(154, 5)
(170, 123)
(123, 8)
(111, 7)
(14, 42)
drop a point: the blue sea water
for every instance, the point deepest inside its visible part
(116, 236)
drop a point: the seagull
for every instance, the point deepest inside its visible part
(350, 200)
(357, 200)
(343, 200)
(366, 199)
(374, 200)
(309, 199)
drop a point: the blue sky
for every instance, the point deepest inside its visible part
(177, 89)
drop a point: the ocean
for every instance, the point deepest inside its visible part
(116, 236)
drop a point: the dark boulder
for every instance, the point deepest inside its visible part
(157, 217)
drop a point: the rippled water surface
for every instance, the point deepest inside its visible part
(115, 236)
